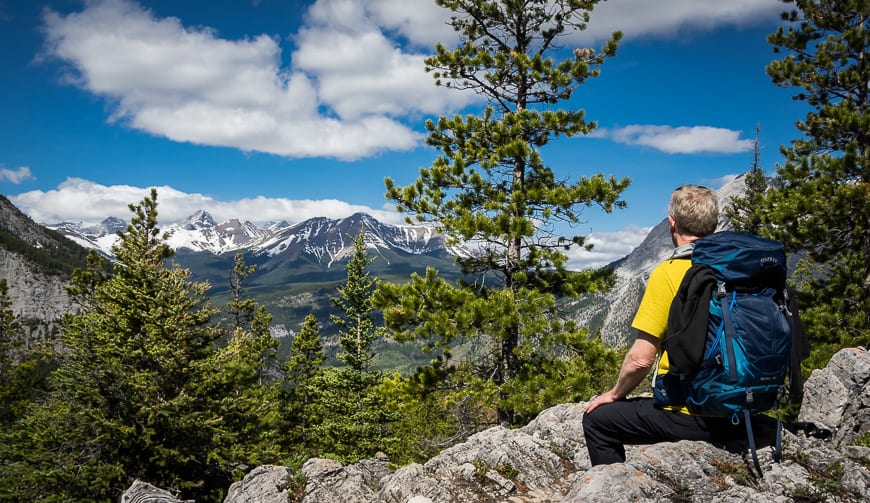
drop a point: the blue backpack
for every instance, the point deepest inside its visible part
(730, 332)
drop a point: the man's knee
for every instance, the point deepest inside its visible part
(602, 446)
(590, 422)
(597, 429)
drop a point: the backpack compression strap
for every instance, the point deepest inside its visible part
(777, 452)
(730, 335)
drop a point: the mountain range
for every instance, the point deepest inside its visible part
(326, 240)
(299, 266)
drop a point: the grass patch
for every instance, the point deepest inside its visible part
(824, 481)
(682, 493)
(738, 471)
(806, 494)
(507, 471)
(480, 469)
(296, 488)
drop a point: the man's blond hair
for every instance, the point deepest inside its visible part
(695, 210)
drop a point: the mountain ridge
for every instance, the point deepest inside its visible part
(324, 238)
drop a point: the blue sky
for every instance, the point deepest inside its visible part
(285, 110)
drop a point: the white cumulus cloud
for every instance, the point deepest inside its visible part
(607, 247)
(189, 85)
(80, 200)
(679, 140)
(359, 70)
(354, 83)
(671, 18)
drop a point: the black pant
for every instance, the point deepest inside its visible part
(637, 421)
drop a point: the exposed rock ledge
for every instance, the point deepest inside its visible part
(546, 461)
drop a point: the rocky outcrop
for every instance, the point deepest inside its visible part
(143, 492)
(546, 461)
(328, 480)
(837, 397)
(31, 259)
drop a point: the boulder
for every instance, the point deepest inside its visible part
(329, 480)
(264, 484)
(143, 492)
(837, 397)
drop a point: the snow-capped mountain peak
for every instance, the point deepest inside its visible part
(327, 240)
(200, 220)
(112, 225)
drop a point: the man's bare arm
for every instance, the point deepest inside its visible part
(636, 365)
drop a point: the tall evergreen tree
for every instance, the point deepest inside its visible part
(250, 322)
(248, 398)
(301, 370)
(490, 185)
(16, 364)
(356, 325)
(821, 208)
(355, 422)
(743, 210)
(10, 345)
(241, 307)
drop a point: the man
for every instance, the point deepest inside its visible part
(610, 420)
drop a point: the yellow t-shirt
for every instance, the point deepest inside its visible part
(652, 315)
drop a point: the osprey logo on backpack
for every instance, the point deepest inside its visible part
(768, 262)
(739, 366)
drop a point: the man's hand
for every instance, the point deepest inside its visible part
(603, 399)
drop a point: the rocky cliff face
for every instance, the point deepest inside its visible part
(546, 461)
(39, 300)
(36, 264)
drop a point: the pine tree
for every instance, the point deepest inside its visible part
(821, 207)
(490, 186)
(301, 370)
(249, 405)
(355, 423)
(240, 306)
(743, 210)
(433, 413)
(16, 364)
(10, 345)
(250, 322)
(356, 326)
